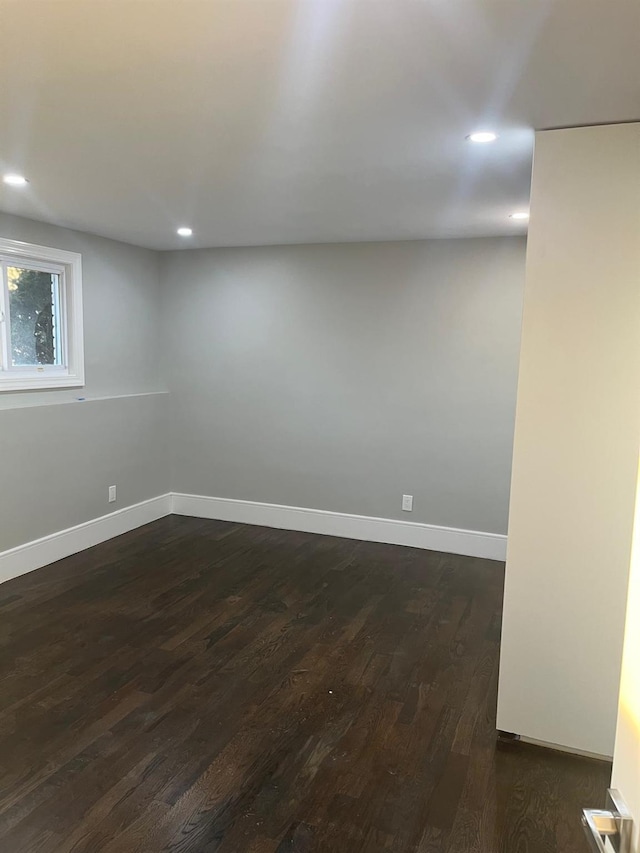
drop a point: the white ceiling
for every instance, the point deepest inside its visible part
(286, 121)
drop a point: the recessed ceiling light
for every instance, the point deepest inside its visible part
(520, 215)
(15, 180)
(185, 232)
(482, 136)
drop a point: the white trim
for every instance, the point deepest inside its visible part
(20, 249)
(569, 749)
(71, 375)
(451, 540)
(40, 552)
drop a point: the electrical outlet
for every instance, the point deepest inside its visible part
(112, 494)
(407, 503)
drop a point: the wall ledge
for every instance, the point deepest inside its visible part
(16, 403)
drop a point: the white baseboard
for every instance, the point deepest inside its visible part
(40, 552)
(557, 747)
(451, 540)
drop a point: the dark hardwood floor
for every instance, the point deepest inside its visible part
(198, 686)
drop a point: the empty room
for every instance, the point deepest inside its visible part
(319, 426)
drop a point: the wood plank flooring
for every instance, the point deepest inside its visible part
(198, 686)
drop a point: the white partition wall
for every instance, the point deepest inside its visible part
(576, 442)
(626, 757)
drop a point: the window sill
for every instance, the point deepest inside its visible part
(39, 383)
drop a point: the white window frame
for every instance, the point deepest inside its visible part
(68, 265)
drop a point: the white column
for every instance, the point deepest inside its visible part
(577, 443)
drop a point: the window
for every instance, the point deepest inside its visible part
(41, 342)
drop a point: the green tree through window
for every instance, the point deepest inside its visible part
(32, 308)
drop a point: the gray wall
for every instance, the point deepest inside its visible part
(58, 462)
(121, 312)
(335, 377)
(341, 376)
(60, 456)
